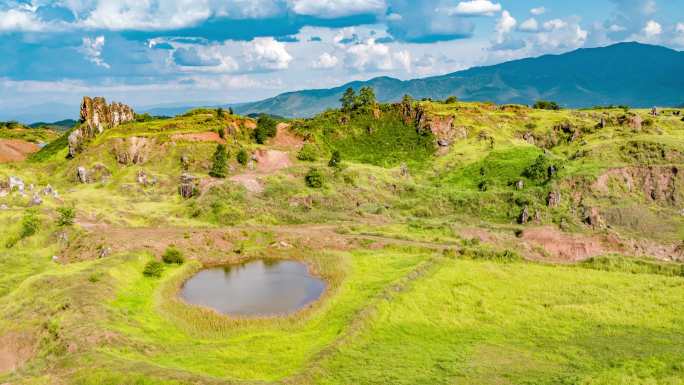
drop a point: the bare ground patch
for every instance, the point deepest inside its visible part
(16, 150)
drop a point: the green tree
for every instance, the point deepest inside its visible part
(242, 157)
(366, 98)
(451, 99)
(266, 128)
(219, 112)
(538, 171)
(348, 100)
(173, 255)
(219, 168)
(546, 105)
(153, 269)
(314, 178)
(335, 159)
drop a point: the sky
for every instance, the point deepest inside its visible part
(190, 52)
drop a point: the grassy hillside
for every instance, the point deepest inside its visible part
(461, 243)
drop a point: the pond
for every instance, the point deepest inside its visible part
(254, 288)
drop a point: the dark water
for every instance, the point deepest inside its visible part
(262, 287)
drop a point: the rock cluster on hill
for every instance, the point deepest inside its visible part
(97, 116)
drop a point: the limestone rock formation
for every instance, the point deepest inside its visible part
(133, 150)
(553, 199)
(188, 186)
(442, 127)
(524, 216)
(16, 183)
(96, 117)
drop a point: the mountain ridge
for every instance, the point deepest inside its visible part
(581, 78)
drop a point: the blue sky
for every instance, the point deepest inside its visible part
(158, 52)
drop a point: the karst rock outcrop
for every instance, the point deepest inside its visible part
(442, 127)
(96, 117)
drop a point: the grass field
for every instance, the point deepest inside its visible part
(432, 278)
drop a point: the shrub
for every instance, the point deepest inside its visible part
(242, 157)
(221, 132)
(29, 224)
(66, 216)
(153, 269)
(538, 171)
(546, 105)
(173, 255)
(335, 159)
(451, 99)
(266, 128)
(219, 168)
(308, 153)
(314, 178)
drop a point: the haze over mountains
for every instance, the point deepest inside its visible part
(633, 74)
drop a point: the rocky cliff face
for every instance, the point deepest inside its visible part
(442, 127)
(97, 116)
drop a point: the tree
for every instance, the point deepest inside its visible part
(538, 171)
(219, 168)
(242, 157)
(348, 100)
(451, 99)
(314, 178)
(335, 159)
(366, 97)
(546, 105)
(66, 216)
(173, 255)
(407, 100)
(230, 110)
(266, 128)
(219, 112)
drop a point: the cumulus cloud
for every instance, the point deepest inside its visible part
(266, 53)
(92, 50)
(538, 11)
(475, 8)
(504, 26)
(336, 8)
(371, 56)
(529, 25)
(680, 28)
(325, 61)
(555, 24)
(20, 20)
(652, 29)
(190, 57)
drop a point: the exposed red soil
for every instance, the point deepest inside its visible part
(15, 350)
(567, 247)
(209, 136)
(656, 182)
(16, 150)
(270, 161)
(285, 138)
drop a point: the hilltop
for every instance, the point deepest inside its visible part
(470, 242)
(633, 74)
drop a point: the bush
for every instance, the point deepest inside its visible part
(219, 168)
(173, 255)
(451, 99)
(538, 171)
(221, 132)
(308, 153)
(29, 225)
(66, 216)
(335, 159)
(242, 157)
(314, 178)
(266, 128)
(153, 269)
(546, 105)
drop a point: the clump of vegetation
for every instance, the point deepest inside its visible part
(308, 153)
(362, 102)
(242, 157)
(546, 105)
(221, 132)
(173, 255)
(314, 178)
(219, 167)
(633, 265)
(541, 170)
(67, 215)
(30, 224)
(266, 128)
(335, 160)
(451, 100)
(153, 269)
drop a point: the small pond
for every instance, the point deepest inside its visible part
(254, 288)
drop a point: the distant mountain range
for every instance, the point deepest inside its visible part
(61, 125)
(633, 74)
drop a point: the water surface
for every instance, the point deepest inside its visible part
(261, 287)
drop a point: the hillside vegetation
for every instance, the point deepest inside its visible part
(461, 243)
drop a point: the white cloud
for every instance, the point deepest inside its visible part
(369, 56)
(680, 28)
(19, 20)
(146, 15)
(555, 24)
(266, 53)
(475, 8)
(403, 58)
(504, 26)
(394, 17)
(336, 8)
(538, 11)
(325, 61)
(652, 29)
(92, 49)
(529, 25)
